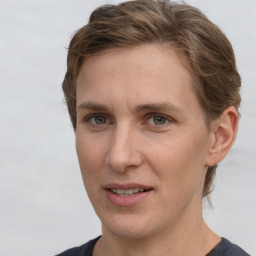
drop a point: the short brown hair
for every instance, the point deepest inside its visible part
(207, 51)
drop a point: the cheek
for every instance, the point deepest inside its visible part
(90, 156)
(179, 164)
(90, 165)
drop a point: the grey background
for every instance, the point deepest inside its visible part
(43, 206)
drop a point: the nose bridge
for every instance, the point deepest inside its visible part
(123, 151)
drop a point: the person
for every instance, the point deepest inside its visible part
(152, 91)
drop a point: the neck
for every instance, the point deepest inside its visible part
(194, 239)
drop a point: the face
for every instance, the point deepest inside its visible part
(141, 139)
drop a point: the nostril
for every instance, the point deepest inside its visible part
(122, 162)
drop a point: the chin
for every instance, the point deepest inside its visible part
(129, 226)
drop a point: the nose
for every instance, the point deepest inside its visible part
(124, 153)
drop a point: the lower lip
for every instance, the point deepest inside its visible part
(125, 201)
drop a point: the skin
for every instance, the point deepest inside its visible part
(139, 121)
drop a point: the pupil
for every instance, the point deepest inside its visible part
(100, 120)
(158, 120)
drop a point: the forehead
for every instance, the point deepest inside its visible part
(148, 51)
(146, 60)
(141, 73)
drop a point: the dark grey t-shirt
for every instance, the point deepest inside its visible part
(223, 248)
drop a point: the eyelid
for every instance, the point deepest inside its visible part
(148, 115)
(168, 118)
(87, 118)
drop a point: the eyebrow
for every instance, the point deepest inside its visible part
(139, 108)
(158, 107)
(92, 106)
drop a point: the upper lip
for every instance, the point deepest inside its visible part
(126, 186)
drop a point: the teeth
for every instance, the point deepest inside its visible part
(120, 191)
(126, 192)
(136, 190)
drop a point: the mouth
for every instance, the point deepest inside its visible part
(125, 195)
(128, 192)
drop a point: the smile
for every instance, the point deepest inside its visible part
(127, 192)
(127, 195)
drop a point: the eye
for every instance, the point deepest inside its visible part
(98, 120)
(157, 120)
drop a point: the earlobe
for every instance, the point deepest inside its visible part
(223, 135)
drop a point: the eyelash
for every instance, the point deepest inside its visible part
(154, 115)
(88, 119)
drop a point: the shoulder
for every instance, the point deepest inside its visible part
(83, 250)
(226, 248)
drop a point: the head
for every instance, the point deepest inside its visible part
(202, 47)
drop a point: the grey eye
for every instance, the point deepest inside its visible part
(99, 120)
(159, 120)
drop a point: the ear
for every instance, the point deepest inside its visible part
(223, 134)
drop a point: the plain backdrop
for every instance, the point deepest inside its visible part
(43, 206)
